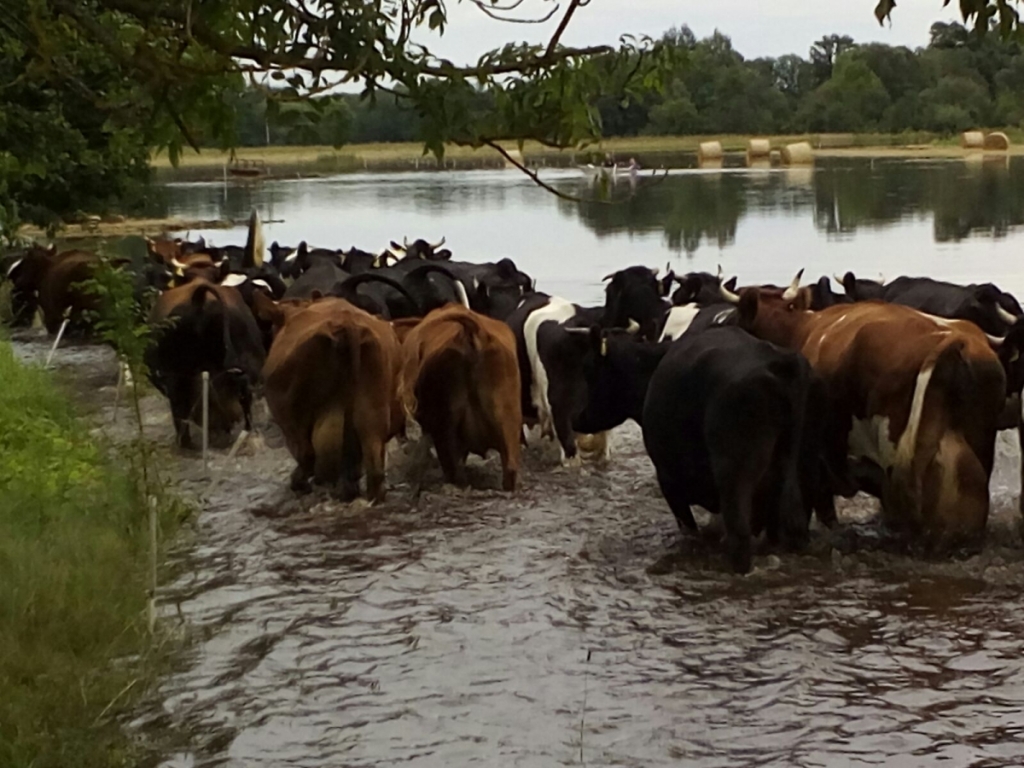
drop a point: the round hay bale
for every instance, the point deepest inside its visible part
(709, 150)
(758, 148)
(972, 140)
(997, 140)
(798, 154)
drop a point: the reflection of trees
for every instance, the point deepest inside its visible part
(972, 197)
(965, 198)
(687, 208)
(978, 197)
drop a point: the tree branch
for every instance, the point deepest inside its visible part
(573, 5)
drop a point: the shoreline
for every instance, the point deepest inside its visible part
(275, 162)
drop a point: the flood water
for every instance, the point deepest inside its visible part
(568, 624)
(952, 219)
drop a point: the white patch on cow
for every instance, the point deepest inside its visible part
(263, 284)
(233, 280)
(556, 310)
(291, 257)
(908, 440)
(869, 439)
(14, 266)
(679, 319)
(460, 291)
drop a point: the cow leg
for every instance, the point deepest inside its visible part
(509, 450)
(566, 437)
(738, 467)
(675, 494)
(371, 440)
(1020, 438)
(451, 455)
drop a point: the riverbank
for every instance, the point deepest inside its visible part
(650, 151)
(75, 649)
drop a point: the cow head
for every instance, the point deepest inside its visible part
(700, 288)
(861, 289)
(26, 275)
(773, 314)
(421, 249)
(634, 294)
(498, 292)
(617, 369)
(823, 297)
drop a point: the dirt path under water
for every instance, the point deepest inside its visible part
(564, 625)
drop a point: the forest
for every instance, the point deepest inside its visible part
(959, 81)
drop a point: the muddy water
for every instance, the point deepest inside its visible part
(564, 625)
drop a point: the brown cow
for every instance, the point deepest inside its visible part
(205, 327)
(331, 385)
(914, 395)
(29, 274)
(61, 294)
(460, 381)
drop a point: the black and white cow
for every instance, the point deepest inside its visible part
(552, 339)
(635, 295)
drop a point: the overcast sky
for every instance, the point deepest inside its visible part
(757, 27)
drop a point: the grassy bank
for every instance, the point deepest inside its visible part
(74, 645)
(649, 150)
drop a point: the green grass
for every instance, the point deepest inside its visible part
(74, 646)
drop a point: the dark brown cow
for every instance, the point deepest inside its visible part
(61, 294)
(331, 382)
(27, 276)
(460, 381)
(916, 396)
(205, 327)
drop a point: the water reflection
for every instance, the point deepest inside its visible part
(964, 199)
(946, 218)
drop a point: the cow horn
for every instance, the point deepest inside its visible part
(655, 271)
(633, 327)
(405, 242)
(606, 278)
(435, 246)
(577, 330)
(727, 295)
(790, 292)
(1005, 316)
(995, 341)
(837, 278)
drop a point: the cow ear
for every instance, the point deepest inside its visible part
(986, 293)
(730, 284)
(315, 295)
(747, 310)
(850, 285)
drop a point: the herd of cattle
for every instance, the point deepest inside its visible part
(761, 403)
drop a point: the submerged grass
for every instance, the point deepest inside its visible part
(75, 649)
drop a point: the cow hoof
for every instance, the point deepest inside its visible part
(574, 462)
(300, 483)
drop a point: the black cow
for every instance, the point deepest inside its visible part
(317, 270)
(551, 343)
(493, 289)
(421, 249)
(379, 295)
(989, 308)
(634, 294)
(700, 288)
(725, 424)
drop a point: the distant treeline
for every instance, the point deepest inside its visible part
(959, 81)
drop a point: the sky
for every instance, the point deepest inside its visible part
(757, 27)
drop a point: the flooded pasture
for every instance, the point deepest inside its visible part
(570, 623)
